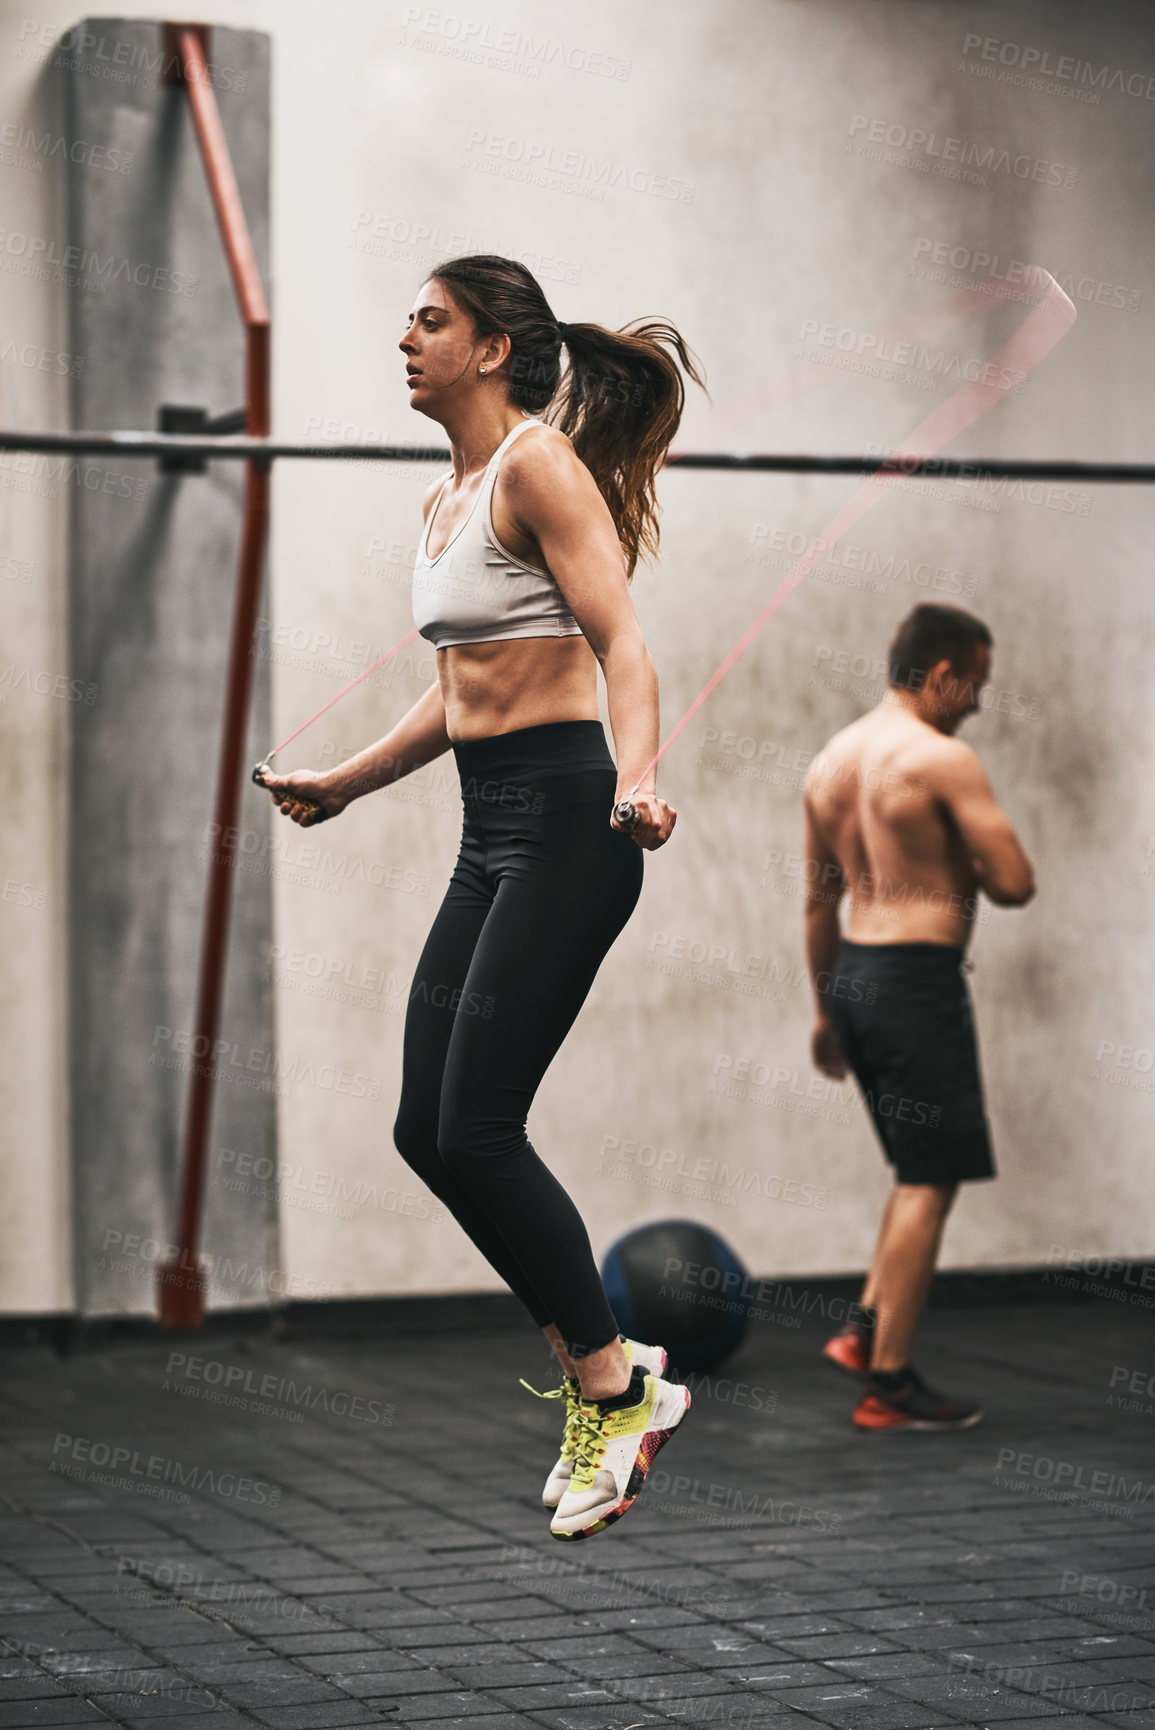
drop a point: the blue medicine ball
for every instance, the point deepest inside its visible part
(676, 1284)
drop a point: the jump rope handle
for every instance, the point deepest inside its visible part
(626, 813)
(262, 771)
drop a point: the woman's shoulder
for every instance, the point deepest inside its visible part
(542, 449)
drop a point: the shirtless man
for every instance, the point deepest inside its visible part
(901, 819)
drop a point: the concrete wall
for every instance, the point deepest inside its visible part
(745, 197)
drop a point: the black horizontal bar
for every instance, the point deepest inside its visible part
(930, 468)
(150, 444)
(147, 444)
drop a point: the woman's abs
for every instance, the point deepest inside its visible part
(492, 688)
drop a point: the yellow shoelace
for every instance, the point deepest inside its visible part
(573, 1399)
(589, 1444)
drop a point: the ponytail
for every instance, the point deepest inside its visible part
(621, 402)
(620, 399)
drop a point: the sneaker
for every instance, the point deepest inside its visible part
(850, 1348)
(617, 1442)
(652, 1358)
(912, 1406)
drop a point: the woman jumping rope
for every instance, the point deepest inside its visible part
(521, 584)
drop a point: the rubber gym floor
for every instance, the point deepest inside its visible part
(307, 1532)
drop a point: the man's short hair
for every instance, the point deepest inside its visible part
(932, 633)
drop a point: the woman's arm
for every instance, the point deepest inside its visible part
(419, 736)
(555, 502)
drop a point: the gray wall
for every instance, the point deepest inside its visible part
(754, 108)
(153, 569)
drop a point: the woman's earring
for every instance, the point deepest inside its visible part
(481, 368)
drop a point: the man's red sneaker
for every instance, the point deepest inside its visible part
(911, 1406)
(850, 1349)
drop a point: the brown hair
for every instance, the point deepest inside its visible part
(620, 399)
(933, 632)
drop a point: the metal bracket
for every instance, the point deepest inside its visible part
(181, 418)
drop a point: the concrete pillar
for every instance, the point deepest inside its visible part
(152, 572)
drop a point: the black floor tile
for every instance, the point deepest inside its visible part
(382, 1589)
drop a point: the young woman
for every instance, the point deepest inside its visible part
(521, 584)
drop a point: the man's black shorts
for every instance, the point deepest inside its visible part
(903, 1016)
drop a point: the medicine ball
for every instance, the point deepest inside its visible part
(677, 1284)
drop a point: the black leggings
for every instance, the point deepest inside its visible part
(541, 888)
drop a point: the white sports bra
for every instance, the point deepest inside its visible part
(475, 591)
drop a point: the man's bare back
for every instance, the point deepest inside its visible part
(878, 798)
(901, 816)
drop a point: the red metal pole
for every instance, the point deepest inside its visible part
(182, 1281)
(222, 181)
